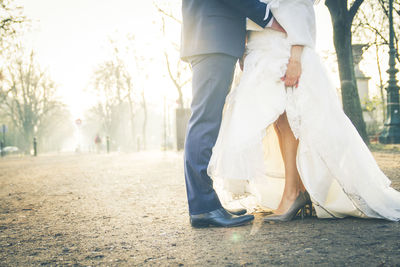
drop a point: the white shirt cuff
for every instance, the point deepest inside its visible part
(270, 23)
(267, 12)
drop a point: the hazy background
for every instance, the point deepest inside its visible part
(90, 48)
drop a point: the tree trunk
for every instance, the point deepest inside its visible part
(144, 120)
(342, 40)
(132, 120)
(180, 98)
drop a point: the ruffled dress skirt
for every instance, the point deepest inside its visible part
(335, 165)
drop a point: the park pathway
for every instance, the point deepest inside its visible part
(130, 209)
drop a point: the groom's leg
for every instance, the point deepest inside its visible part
(212, 79)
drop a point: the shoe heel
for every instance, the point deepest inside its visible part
(310, 209)
(199, 224)
(302, 212)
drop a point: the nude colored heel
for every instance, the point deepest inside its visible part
(298, 205)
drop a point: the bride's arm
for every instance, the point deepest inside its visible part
(298, 19)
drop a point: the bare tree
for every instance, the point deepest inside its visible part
(108, 85)
(342, 15)
(120, 92)
(177, 71)
(126, 87)
(176, 75)
(371, 26)
(140, 74)
(29, 98)
(131, 103)
(11, 17)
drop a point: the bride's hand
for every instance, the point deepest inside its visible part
(293, 70)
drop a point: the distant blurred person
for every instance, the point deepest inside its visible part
(97, 143)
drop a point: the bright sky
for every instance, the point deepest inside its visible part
(70, 38)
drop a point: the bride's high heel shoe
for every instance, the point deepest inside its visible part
(298, 205)
(307, 206)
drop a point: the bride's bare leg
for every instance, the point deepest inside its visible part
(288, 145)
(278, 133)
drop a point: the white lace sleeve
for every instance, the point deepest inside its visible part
(297, 17)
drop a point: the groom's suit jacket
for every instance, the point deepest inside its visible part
(218, 26)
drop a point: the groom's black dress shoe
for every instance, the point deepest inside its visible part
(237, 212)
(219, 217)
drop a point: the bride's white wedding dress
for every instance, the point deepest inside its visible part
(335, 165)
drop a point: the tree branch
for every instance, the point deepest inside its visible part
(354, 8)
(169, 15)
(185, 82)
(170, 72)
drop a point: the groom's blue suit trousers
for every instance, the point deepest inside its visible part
(212, 79)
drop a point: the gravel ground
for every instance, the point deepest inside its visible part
(130, 209)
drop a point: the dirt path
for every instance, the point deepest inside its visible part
(130, 209)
